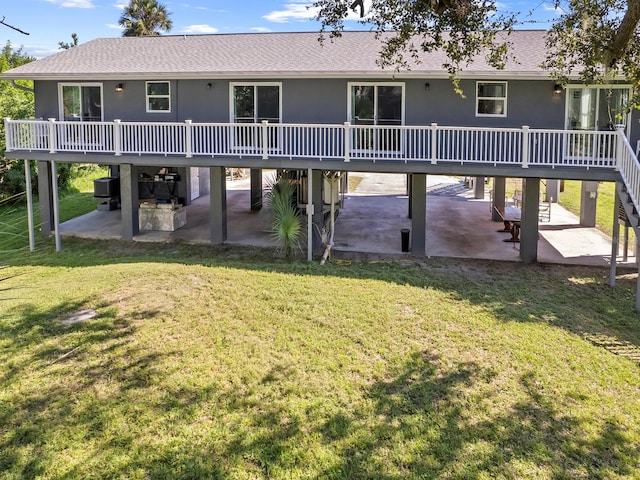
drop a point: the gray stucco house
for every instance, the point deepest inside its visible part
(196, 105)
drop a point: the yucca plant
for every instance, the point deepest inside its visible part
(286, 226)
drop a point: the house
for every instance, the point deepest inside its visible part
(191, 106)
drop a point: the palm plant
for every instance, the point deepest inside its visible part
(286, 227)
(144, 18)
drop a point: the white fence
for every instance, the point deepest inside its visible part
(434, 143)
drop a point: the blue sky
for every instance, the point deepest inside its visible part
(51, 21)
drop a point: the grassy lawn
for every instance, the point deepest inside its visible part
(212, 362)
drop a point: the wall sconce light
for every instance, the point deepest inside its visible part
(119, 87)
(557, 89)
(209, 86)
(427, 86)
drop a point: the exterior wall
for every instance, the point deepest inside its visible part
(529, 102)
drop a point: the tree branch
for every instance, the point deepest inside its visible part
(624, 33)
(11, 26)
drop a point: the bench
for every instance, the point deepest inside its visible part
(511, 218)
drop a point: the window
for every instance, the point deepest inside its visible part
(80, 102)
(158, 97)
(255, 103)
(597, 108)
(491, 99)
(251, 104)
(376, 104)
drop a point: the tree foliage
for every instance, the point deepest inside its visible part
(598, 41)
(463, 29)
(595, 40)
(14, 103)
(68, 45)
(145, 18)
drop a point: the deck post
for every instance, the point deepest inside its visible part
(27, 181)
(117, 137)
(218, 205)
(52, 135)
(45, 199)
(615, 238)
(525, 146)
(256, 189)
(499, 191)
(588, 203)
(478, 188)
(434, 143)
(265, 139)
(310, 212)
(347, 141)
(56, 205)
(315, 196)
(188, 138)
(529, 230)
(129, 201)
(419, 214)
(7, 134)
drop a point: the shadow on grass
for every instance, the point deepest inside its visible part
(426, 418)
(575, 298)
(423, 423)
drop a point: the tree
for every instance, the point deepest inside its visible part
(145, 18)
(599, 41)
(461, 28)
(68, 45)
(14, 103)
(595, 39)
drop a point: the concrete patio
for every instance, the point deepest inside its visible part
(458, 225)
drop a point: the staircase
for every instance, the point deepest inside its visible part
(629, 210)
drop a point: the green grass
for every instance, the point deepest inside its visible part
(212, 362)
(570, 199)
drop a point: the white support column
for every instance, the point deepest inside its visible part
(265, 139)
(27, 179)
(615, 239)
(434, 143)
(310, 212)
(347, 142)
(8, 137)
(188, 140)
(56, 205)
(525, 146)
(117, 137)
(52, 135)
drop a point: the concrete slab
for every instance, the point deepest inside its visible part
(457, 225)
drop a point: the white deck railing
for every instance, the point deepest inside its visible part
(629, 168)
(434, 143)
(520, 147)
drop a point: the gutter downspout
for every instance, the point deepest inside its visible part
(21, 87)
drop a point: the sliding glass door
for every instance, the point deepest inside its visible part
(376, 105)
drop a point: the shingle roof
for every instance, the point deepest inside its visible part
(258, 55)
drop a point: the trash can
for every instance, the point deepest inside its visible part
(405, 239)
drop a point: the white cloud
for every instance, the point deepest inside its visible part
(199, 29)
(114, 26)
(260, 29)
(120, 6)
(73, 3)
(292, 12)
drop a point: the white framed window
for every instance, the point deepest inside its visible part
(597, 107)
(378, 104)
(256, 102)
(158, 97)
(491, 99)
(80, 102)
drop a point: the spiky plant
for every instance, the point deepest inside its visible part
(286, 227)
